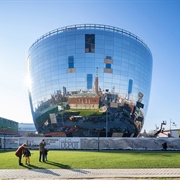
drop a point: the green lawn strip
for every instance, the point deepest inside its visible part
(94, 160)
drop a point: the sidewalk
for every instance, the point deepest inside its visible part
(89, 173)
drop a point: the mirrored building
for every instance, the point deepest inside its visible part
(89, 80)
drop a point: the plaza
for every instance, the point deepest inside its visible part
(43, 174)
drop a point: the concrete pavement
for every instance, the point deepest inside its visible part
(89, 173)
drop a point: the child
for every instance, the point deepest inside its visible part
(27, 155)
(45, 153)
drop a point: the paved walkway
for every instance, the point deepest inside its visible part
(89, 173)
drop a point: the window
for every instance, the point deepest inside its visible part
(89, 81)
(89, 43)
(130, 86)
(108, 57)
(108, 66)
(70, 61)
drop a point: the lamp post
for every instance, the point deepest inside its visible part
(4, 130)
(62, 119)
(107, 121)
(4, 142)
(98, 130)
(173, 123)
(106, 104)
(22, 126)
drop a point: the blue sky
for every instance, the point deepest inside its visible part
(156, 22)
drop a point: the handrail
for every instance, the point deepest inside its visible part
(89, 26)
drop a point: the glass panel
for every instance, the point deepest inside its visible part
(89, 81)
(70, 61)
(89, 43)
(108, 66)
(130, 86)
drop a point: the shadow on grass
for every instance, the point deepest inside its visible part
(34, 167)
(31, 166)
(41, 170)
(67, 167)
(47, 171)
(62, 166)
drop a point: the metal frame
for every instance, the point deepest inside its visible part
(89, 26)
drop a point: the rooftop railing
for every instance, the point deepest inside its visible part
(90, 26)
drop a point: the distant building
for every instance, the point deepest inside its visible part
(25, 129)
(8, 127)
(174, 133)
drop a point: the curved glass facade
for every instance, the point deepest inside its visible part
(89, 80)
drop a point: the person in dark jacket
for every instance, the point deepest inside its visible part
(19, 152)
(42, 145)
(45, 153)
(164, 145)
(27, 155)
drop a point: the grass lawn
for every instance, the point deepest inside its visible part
(94, 160)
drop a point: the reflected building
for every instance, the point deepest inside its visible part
(89, 80)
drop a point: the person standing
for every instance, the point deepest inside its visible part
(42, 145)
(27, 155)
(45, 153)
(164, 145)
(19, 152)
